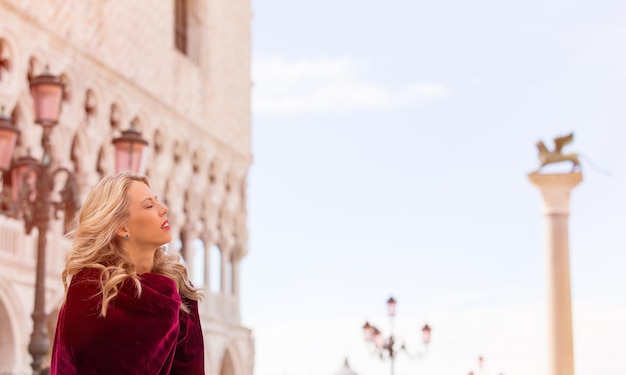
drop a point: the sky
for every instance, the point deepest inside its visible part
(391, 146)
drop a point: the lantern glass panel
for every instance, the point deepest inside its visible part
(8, 140)
(47, 102)
(22, 173)
(128, 156)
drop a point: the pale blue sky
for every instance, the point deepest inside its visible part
(391, 145)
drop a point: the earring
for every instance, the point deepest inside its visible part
(126, 236)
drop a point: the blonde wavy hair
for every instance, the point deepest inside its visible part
(96, 245)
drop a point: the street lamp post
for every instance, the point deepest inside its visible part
(481, 364)
(389, 347)
(33, 184)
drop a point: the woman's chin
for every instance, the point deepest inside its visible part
(167, 239)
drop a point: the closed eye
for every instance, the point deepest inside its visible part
(148, 203)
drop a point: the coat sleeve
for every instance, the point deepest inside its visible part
(137, 336)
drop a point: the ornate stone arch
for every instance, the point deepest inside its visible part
(229, 209)
(105, 163)
(12, 317)
(28, 142)
(90, 105)
(230, 362)
(70, 83)
(214, 197)
(8, 62)
(216, 170)
(87, 147)
(157, 141)
(139, 122)
(173, 197)
(160, 166)
(196, 197)
(36, 65)
(117, 113)
(116, 123)
(17, 114)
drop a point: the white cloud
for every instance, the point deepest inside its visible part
(328, 85)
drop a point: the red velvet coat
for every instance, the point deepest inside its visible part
(139, 335)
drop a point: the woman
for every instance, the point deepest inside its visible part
(130, 307)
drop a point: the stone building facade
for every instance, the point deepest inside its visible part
(177, 71)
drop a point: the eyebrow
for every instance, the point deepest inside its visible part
(150, 198)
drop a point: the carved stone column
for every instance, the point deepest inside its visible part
(235, 277)
(555, 190)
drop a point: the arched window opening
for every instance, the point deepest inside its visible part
(7, 340)
(100, 168)
(198, 263)
(216, 268)
(227, 365)
(74, 155)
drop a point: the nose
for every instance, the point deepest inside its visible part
(164, 210)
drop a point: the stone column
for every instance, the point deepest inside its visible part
(235, 277)
(555, 190)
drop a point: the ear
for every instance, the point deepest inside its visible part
(122, 232)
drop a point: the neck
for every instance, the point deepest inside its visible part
(142, 260)
(144, 266)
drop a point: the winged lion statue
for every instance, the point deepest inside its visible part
(548, 157)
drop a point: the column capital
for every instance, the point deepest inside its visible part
(555, 189)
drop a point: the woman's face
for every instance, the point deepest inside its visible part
(147, 226)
